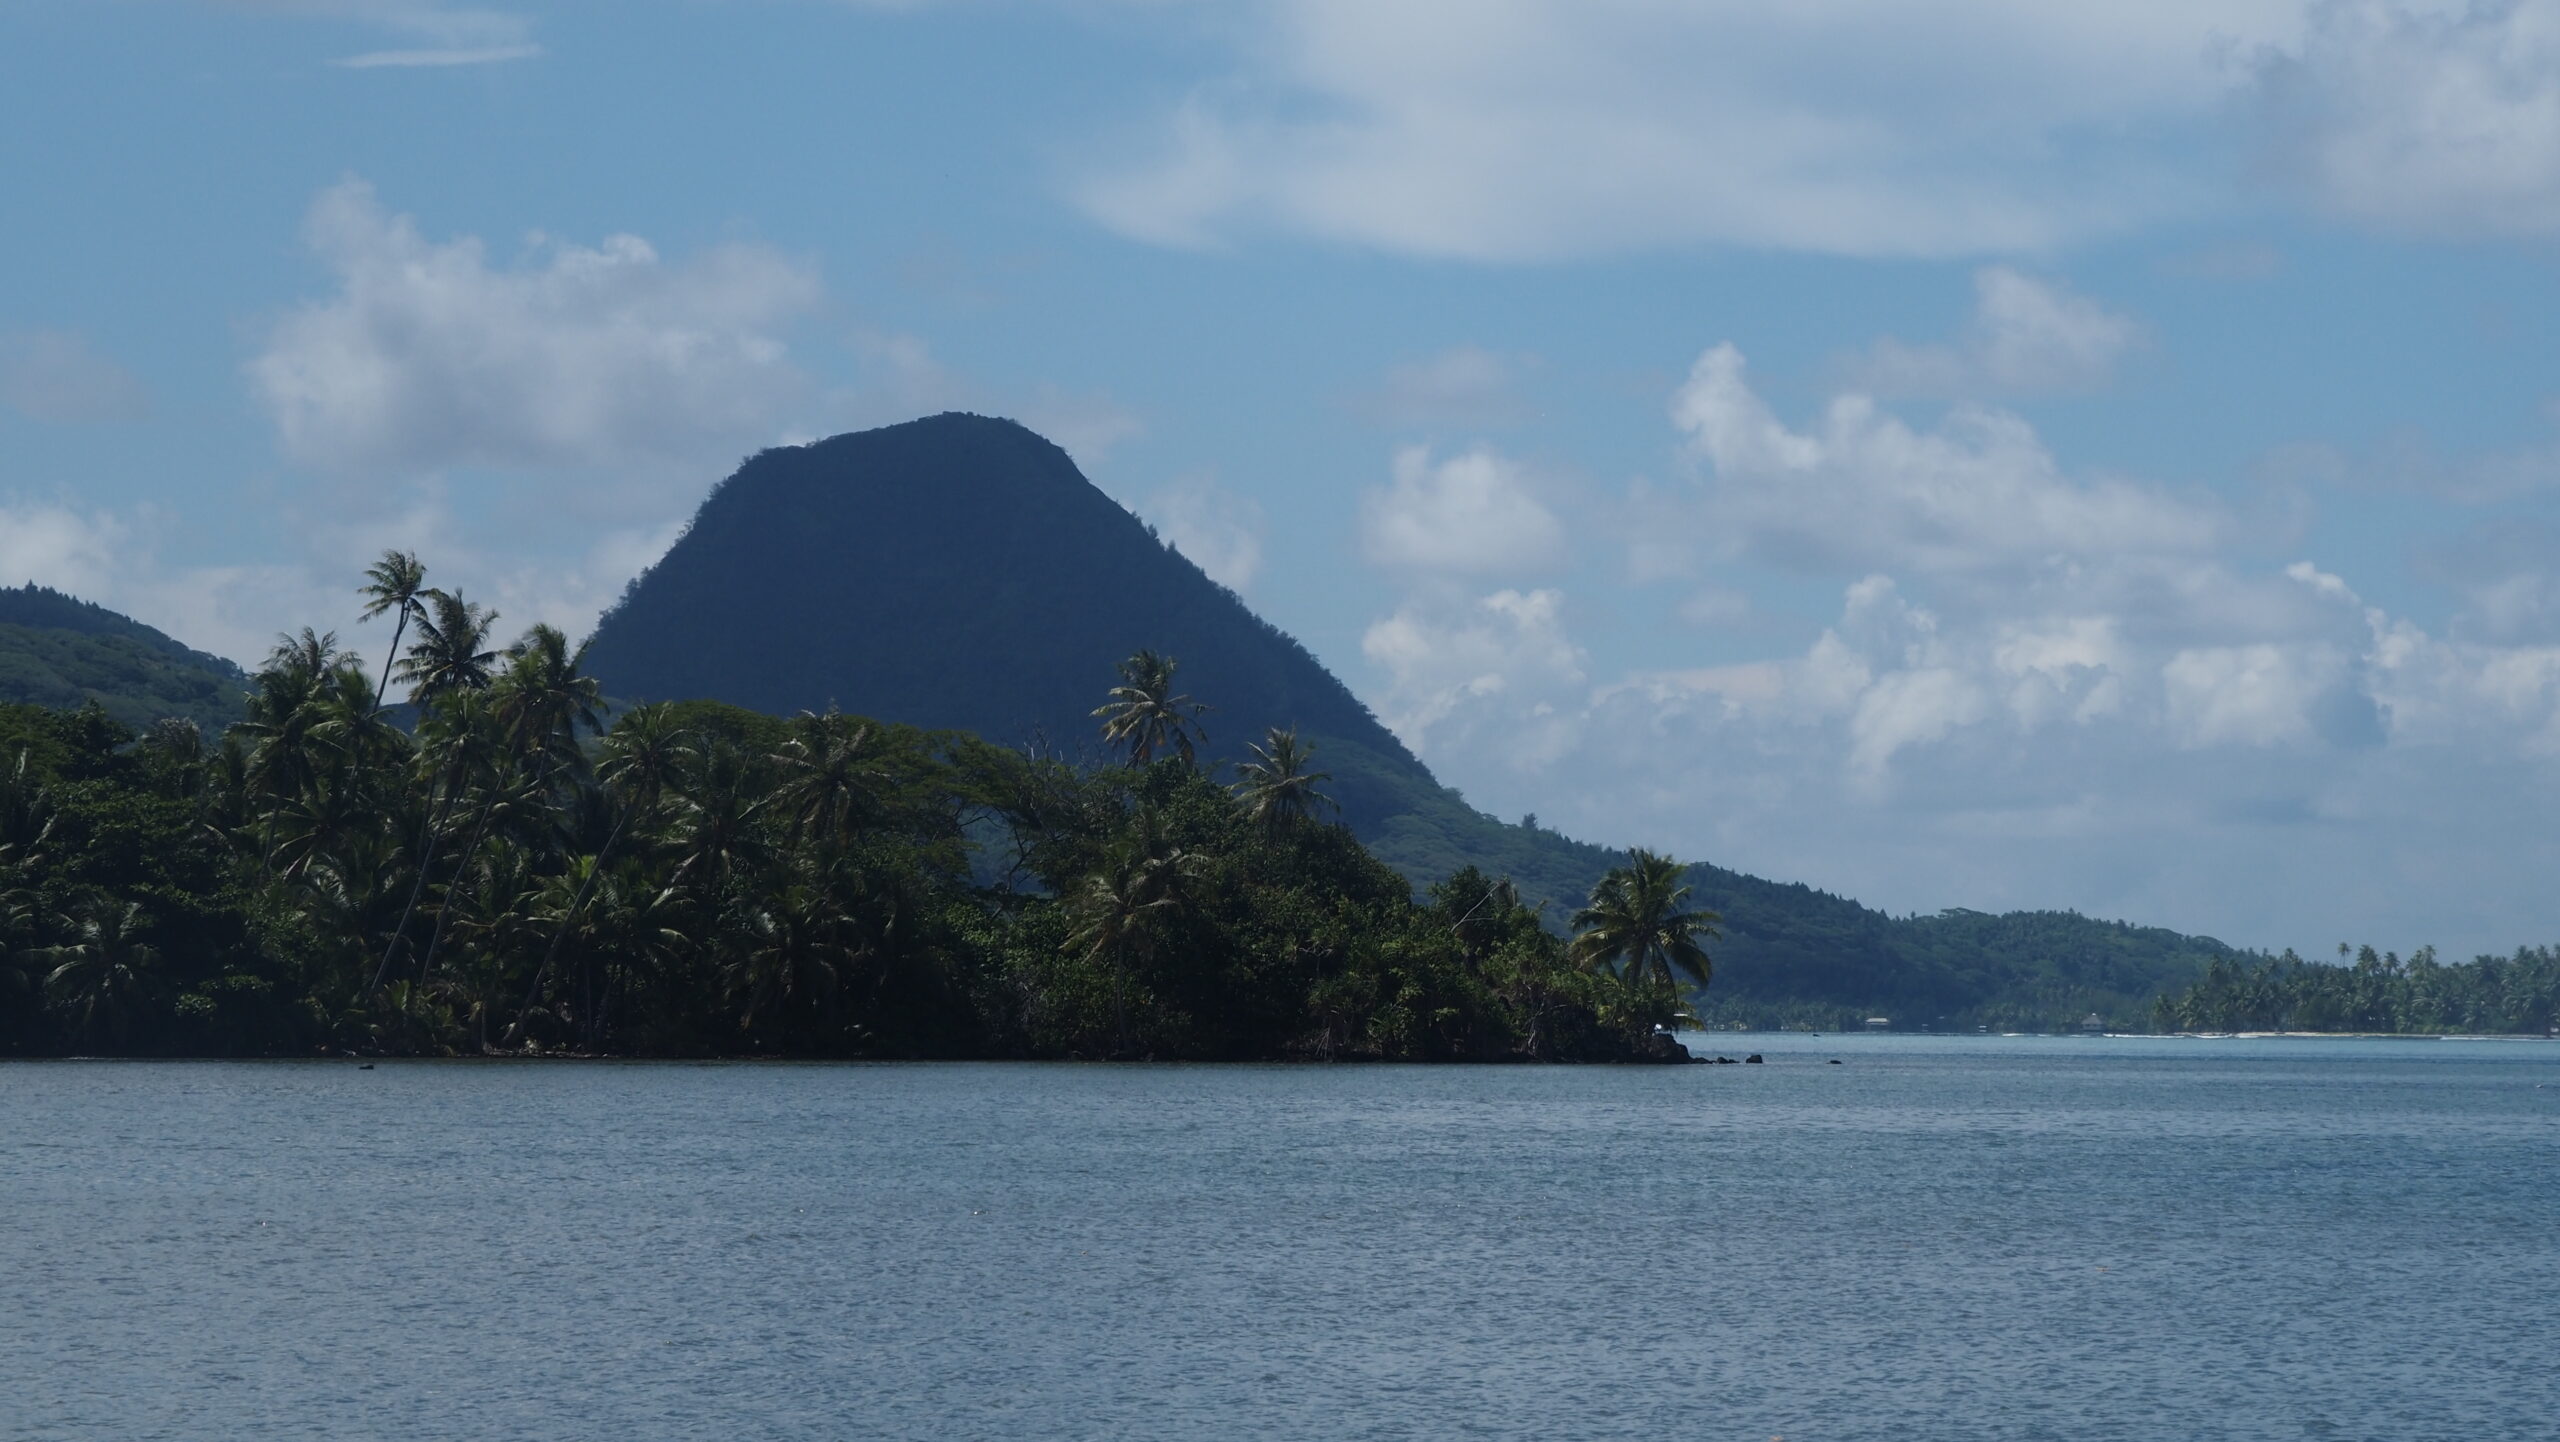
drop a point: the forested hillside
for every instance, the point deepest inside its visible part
(58, 651)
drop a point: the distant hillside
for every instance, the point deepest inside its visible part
(959, 572)
(59, 651)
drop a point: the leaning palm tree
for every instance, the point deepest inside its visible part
(1276, 787)
(1638, 928)
(1145, 715)
(397, 583)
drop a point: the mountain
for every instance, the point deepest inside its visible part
(959, 572)
(59, 651)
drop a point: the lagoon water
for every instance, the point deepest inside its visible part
(1940, 1238)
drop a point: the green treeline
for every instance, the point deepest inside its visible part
(698, 879)
(2379, 992)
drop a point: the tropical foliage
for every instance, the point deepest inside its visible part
(519, 874)
(2373, 991)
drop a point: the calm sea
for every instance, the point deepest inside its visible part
(1939, 1238)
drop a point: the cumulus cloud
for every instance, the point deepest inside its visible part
(2026, 335)
(1865, 490)
(2438, 120)
(1503, 658)
(1530, 129)
(429, 356)
(1219, 530)
(49, 544)
(1474, 514)
(52, 375)
(1462, 386)
(2036, 689)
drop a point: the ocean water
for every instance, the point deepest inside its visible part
(1939, 1238)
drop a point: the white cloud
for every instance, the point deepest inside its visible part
(1461, 386)
(2037, 690)
(429, 357)
(1447, 660)
(442, 35)
(1525, 129)
(1866, 491)
(2428, 119)
(2026, 335)
(53, 545)
(51, 375)
(424, 59)
(1219, 530)
(1474, 514)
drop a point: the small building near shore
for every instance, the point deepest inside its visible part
(2093, 1024)
(1879, 1023)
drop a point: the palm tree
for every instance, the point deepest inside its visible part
(1637, 929)
(540, 705)
(452, 652)
(102, 971)
(790, 953)
(1121, 909)
(309, 655)
(396, 583)
(1276, 787)
(1145, 715)
(641, 758)
(829, 782)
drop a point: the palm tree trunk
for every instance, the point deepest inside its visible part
(380, 686)
(568, 919)
(444, 913)
(426, 859)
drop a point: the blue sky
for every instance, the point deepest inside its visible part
(1968, 453)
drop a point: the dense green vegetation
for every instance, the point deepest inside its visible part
(60, 652)
(2377, 992)
(958, 572)
(701, 879)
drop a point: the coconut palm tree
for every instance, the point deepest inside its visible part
(100, 974)
(452, 652)
(789, 957)
(830, 782)
(539, 705)
(641, 758)
(309, 655)
(1144, 715)
(396, 583)
(1638, 929)
(1122, 909)
(1276, 787)
(544, 700)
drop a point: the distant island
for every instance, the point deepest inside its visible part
(1051, 841)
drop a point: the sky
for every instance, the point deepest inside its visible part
(1949, 452)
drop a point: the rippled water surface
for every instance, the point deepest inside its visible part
(1960, 1239)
